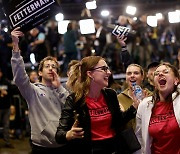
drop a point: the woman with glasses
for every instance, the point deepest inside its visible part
(91, 118)
(158, 116)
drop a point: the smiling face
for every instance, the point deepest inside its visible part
(165, 79)
(134, 74)
(100, 74)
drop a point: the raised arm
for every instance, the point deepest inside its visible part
(125, 56)
(15, 34)
(20, 76)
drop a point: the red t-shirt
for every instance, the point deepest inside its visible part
(101, 119)
(164, 129)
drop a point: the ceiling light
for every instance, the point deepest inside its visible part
(91, 5)
(152, 21)
(105, 13)
(174, 17)
(87, 26)
(131, 10)
(62, 26)
(59, 17)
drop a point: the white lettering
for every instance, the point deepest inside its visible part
(46, 1)
(25, 11)
(29, 10)
(36, 4)
(15, 18)
(21, 13)
(32, 7)
(42, 3)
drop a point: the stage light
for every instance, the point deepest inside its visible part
(159, 16)
(152, 21)
(131, 10)
(174, 17)
(135, 18)
(91, 5)
(32, 58)
(105, 13)
(62, 26)
(87, 26)
(59, 17)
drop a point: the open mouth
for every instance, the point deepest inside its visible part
(106, 78)
(162, 82)
(132, 81)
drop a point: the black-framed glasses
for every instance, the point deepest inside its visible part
(104, 68)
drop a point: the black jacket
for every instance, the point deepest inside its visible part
(67, 119)
(5, 100)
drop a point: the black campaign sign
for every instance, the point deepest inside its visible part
(28, 14)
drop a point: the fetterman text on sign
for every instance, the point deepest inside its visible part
(29, 14)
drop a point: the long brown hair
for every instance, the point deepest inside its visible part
(169, 98)
(81, 88)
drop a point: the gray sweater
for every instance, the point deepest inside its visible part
(44, 103)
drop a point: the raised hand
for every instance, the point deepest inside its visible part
(55, 82)
(15, 34)
(122, 40)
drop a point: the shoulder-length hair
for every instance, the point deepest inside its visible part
(169, 98)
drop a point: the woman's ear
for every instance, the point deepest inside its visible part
(89, 74)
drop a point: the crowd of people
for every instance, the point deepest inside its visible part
(144, 43)
(88, 113)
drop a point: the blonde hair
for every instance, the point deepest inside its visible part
(73, 77)
(140, 67)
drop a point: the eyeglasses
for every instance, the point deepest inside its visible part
(165, 71)
(52, 66)
(104, 68)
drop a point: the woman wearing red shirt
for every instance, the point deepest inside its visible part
(158, 117)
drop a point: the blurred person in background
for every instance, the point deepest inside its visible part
(70, 49)
(99, 38)
(5, 47)
(52, 38)
(158, 116)
(37, 46)
(5, 103)
(149, 80)
(71, 75)
(127, 22)
(33, 76)
(142, 48)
